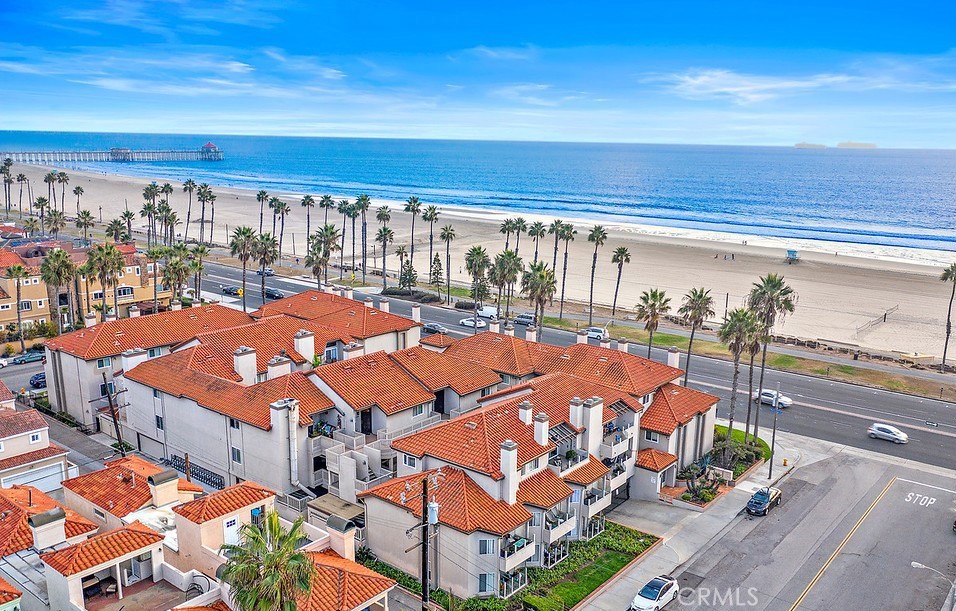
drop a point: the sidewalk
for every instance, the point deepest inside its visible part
(85, 452)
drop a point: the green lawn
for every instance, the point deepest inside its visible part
(575, 588)
(739, 436)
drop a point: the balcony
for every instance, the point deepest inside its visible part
(555, 553)
(385, 447)
(351, 441)
(614, 446)
(515, 553)
(593, 528)
(332, 456)
(558, 524)
(363, 485)
(385, 434)
(563, 463)
(620, 474)
(509, 583)
(595, 501)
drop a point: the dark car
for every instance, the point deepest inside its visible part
(763, 501)
(28, 357)
(266, 272)
(38, 380)
(434, 327)
(274, 294)
(231, 290)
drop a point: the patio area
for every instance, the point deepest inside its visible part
(144, 595)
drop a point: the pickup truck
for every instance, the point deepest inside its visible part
(763, 501)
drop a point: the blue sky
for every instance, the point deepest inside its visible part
(689, 72)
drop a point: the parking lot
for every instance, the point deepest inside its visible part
(843, 538)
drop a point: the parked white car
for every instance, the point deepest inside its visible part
(597, 333)
(3, 363)
(475, 323)
(769, 397)
(656, 594)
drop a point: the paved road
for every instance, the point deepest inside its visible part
(18, 376)
(822, 409)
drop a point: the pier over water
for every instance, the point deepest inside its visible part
(207, 152)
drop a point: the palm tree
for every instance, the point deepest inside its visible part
(651, 308)
(555, 229)
(477, 263)
(343, 209)
(266, 569)
(22, 178)
(308, 202)
(50, 179)
(315, 261)
(56, 271)
(510, 268)
(948, 275)
(198, 254)
(771, 299)
(31, 226)
(273, 204)
(265, 251)
(240, 246)
(57, 221)
(383, 215)
(202, 194)
(326, 203)
(114, 228)
(188, 187)
(18, 273)
(77, 191)
(148, 211)
(621, 256)
(696, 307)
(362, 205)
(262, 197)
(536, 231)
(175, 273)
(127, 217)
(753, 349)
(41, 205)
(430, 216)
(211, 199)
(62, 179)
(282, 210)
(413, 207)
(506, 228)
(567, 234)
(353, 214)
(520, 226)
(385, 237)
(328, 238)
(539, 285)
(447, 235)
(737, 332)
(154, 255)
(106, 263)
(597, 236)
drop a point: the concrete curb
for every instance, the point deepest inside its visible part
(617, 576)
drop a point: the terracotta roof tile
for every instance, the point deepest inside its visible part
(102, 548)
(18, 423)
(655, 460)
(121, 488)
(5, 393)
(223, 502)
(216, 606)
(34, 456)
(8, 593)
(346, 315)
(673, 406)
(8, 258)
(543, 489)
(17, 504)
(503, 353)
(465, 505)
(307, 305)
(339, 584)
(589, 472)
(438, 371)
(151, 331)
(438, 340)
(374, 379)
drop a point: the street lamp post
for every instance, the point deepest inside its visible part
(773, 436)
(952, 583)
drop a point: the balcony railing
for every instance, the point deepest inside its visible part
(619, 476)
(555, 553)
(515, 553)
(594, 527)
(594, 495)
(509, 583)
(352, 441)
(362, 486)
(385, 447)
(557, 524)
(566, 462)
(617, 445)
(596, 503)
(408, 430)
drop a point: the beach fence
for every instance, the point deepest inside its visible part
(876, 321)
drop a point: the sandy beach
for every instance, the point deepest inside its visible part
(841, 287)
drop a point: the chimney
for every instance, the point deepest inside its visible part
(582, 337)
(175, 305)
(416, 312)
(348, 293)
(132, 358)
(509, 467)
(284, 419)
(606, 342)
(383, 305)
(593, 415)
(509, 329)
(328, 288)
(529, 333)
(494, 326)
(134, 311)
(673, 357)
(244, 362)
(576, 413)
(48, 528)
(164, 487)
(341, 536)
(304, 343)
(524, 412)
(541, 429)
(89, 320)
(352, 350)
(110, 315)
(278, 366)
(369, 303)
(622, 344)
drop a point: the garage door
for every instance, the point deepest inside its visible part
(45, 479)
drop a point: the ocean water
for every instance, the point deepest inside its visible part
(881, 197)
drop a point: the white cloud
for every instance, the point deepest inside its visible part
(504, 53)
(526, 93)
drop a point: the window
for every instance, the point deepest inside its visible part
(97, 295)
(486, 582)
(149, 267)
(233, 424)
(486, 546)
(409, 461)
(103, 363)
(418, 410)
(35, 280)
(124, 291)
(535, 518)
(34, 437)
(5, 306)
(153, 352)
(159, 423)
(486, 391)
(107, 389)
(157, 394)
(402, 341)
(39, 303)
(99, 514)
(129, 270)
(236, 456)
(137, 270)
(26, 306)
(1, 446)
(576, 496)
(651, 436)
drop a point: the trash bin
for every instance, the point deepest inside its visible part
(856, 355)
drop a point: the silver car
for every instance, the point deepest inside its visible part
(770, 397)
(888, 432)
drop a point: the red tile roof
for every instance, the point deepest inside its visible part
(655, 460)
(589, 472)
(438, 340)
(249, 404)
(19, 423)
(8, 258)
(543, 489)
(5, 393)
(102, 548)
(346, 315)
(374, 380)
(162, 329)
(216, 606)
(223, 502)
(339, 584)
(465, 506)
(473, 440)
(503, 353)
(121, 488)
(308, 305)
(17, 504)
(673, 406)
(437, 371)
(8, 593)
(34, 456)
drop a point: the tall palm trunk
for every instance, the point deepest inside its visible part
(650, 341)
(733, 401)
(342, 248)
(23, 346)
(617, 287)
(262, 287)
(448, 272)
(564, 277)
(384, 271)
(750, 394)
(949, 327)
(517, 240)
(308, 225)
(365, 245)
(763, 369)
(431, 243)
(536, 239)
(591, 296)
(353, 246)
(212, 223)
(155, 286)
(412, 254)
(189, 214)
(281, 237)
(202, 222)
(245, 264)
(690, 349)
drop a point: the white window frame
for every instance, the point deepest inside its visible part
(487, 547)
(104, 363)
(120, 289)
(26, 305)
(109, 387)
(234, 423)
(418, 411)
(5, 306)
(99, 514)
(535, 519)
(157, 394)
(35, 438)
(154, 352)
(234, 454)
(486, 583)
(651, 436)
(1, 446)
(410, 461)
(160, 423)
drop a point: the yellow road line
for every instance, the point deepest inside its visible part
(839, 548)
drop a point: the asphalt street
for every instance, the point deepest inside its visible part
(823, 409)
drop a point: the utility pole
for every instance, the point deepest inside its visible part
(773, 437)
(115, 417)
(429, 519)
(424, 527)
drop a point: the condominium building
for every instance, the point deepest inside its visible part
(27, 456)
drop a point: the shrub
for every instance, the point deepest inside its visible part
(706, 496)
(464, 305)
(8, 350)
(419, 296)
(687, 496)
(65, 418)
(126, 447)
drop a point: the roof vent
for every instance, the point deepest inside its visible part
(603, 359)
(566, 356)
(471, 424)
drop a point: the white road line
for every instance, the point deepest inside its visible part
(909, 481)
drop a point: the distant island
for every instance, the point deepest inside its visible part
(809, 145)
(856, 145)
